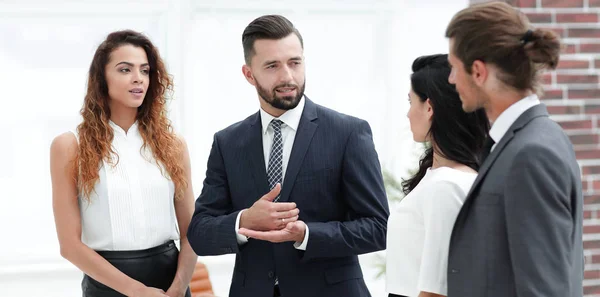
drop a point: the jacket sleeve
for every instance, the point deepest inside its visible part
(363, 191)
(212, 229)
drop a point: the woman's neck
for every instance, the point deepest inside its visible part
(440, 161)
(123, 117)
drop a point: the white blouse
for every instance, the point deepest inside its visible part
(132, 205)
(419, 229)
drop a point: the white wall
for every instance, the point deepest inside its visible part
(358, 58)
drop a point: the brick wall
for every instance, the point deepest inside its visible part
(572, 94)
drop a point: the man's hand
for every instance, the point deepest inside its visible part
(176, 291)
(293, 231)
(267, 215)
(149, 292)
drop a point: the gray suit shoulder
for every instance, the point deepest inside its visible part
(543, 132)
(544, 137)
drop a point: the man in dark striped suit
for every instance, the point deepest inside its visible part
(295, 190)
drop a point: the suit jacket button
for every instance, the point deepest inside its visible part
(454, 270)
(271, 274)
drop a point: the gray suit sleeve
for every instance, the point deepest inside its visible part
(540, 225)
(363, 191)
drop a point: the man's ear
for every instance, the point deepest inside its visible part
(479, 72)
(247, 72)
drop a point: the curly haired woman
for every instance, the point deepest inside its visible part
(121, 189)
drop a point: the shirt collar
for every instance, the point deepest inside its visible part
(118, 129)
(510, 115)
(290, 118)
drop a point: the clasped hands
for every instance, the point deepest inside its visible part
(272, 221)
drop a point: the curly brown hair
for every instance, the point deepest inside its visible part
(95, 133)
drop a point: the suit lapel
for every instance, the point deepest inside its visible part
(304, 135)
(256, 156)
(487, 164)
(526, 117)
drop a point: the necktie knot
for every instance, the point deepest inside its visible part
(276, 124)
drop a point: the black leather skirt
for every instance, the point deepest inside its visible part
(154, 267)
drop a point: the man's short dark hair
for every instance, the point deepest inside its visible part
(272, 27)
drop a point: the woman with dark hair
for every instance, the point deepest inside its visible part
(419, 229)
(121, 189)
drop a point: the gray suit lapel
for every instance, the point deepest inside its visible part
(526, 117)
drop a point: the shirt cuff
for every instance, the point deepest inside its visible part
(241, 239)
(302, 246)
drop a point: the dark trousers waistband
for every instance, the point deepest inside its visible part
(138, 253)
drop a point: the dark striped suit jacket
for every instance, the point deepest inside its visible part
(333, 176)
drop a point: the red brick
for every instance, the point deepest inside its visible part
(569, 49)
(595, 259)
(562, 3)
(584, 33)
(576, 124)
(591, 229)
(591, 274)
(591, 244)
(584, 139)
(597, 64)
(553, 94)
(587, 214)
(596, 185)
(547, 79)
(584, 94)
(573, 64)
(564, 109)
(591, 199)
(595, 169)
(524, 3)
(592, 109)
(589, 48)
(539, 17)
(559, 31)
(577, 18)
(576, 79)
(584, 186)
(588, 154)
(594, 3)
(591, 291)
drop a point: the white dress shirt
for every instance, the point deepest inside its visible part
(291, 120)
(419, 229)
(131, 206)
(510, 115)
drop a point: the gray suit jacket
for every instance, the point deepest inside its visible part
(519, 232)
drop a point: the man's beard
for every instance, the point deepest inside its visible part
(283, 103)
(476, 98)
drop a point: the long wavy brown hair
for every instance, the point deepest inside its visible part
(95, 133)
